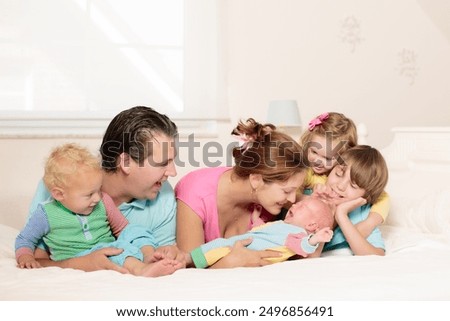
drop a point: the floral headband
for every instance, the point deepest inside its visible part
(317, 121)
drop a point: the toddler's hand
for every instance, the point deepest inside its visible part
(28, 262)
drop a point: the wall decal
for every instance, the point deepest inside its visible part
(351, 32)
(407, 65)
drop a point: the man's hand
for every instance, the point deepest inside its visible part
(95, 261)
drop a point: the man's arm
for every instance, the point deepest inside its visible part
(95, 261)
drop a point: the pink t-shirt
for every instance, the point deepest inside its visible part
(198, 190)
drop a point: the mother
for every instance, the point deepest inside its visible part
(218, 202)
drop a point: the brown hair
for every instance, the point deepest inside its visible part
(337, 125)
(130, 132)
(368, 170)
(65, 161)
(267, 151)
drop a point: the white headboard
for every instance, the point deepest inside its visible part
(419, 148)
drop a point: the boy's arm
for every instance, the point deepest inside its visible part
(95, 261)
(27, 240)
(357, 242)
(367, 226)
(377, 215)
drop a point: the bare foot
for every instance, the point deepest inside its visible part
(160, 268)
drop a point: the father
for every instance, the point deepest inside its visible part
(137, 155)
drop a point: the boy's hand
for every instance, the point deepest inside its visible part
(27, 261)
(348, 206)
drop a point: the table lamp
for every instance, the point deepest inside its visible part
(285, 115)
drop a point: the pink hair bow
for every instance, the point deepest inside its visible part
(317, 121)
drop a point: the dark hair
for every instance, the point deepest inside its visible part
(130, 132)
(272, 154)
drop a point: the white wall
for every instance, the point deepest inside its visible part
(328, 55)
(342, 56)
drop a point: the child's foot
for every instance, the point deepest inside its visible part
(160, 268)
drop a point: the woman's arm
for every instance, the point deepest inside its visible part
(190, 235)
(189, 230)
(241, 256)
(97, 260)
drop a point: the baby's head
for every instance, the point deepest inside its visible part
(362, 172)
(328, 135)
(74, 177)
(311, 213)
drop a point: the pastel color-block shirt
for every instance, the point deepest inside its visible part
(66, 233)
(280, 236)
(158, 215)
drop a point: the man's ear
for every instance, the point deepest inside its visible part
(57, 193)
(256, 181)
(124, 163)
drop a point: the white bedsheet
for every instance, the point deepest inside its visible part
(416, 265)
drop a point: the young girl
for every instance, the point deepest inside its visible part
(353, 185)
(328, 136)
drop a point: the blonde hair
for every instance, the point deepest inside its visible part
(65, 161)
(368, 170)
(268, 152)
(340, 128)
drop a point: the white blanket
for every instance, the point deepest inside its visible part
(416, 265)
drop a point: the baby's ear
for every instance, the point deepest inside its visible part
(57, 193)
(312, 227)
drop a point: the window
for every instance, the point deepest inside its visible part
(76, 63)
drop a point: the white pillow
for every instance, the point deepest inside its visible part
(420, 200)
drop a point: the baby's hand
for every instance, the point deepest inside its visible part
(322, 235)
(27, 261)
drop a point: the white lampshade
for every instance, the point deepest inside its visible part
(284, 113)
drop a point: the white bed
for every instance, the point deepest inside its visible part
(416, 265)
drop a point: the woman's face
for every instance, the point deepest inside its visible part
(145, 180)
(273, 196)
(342, 187)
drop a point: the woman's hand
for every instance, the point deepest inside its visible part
(241, 256)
